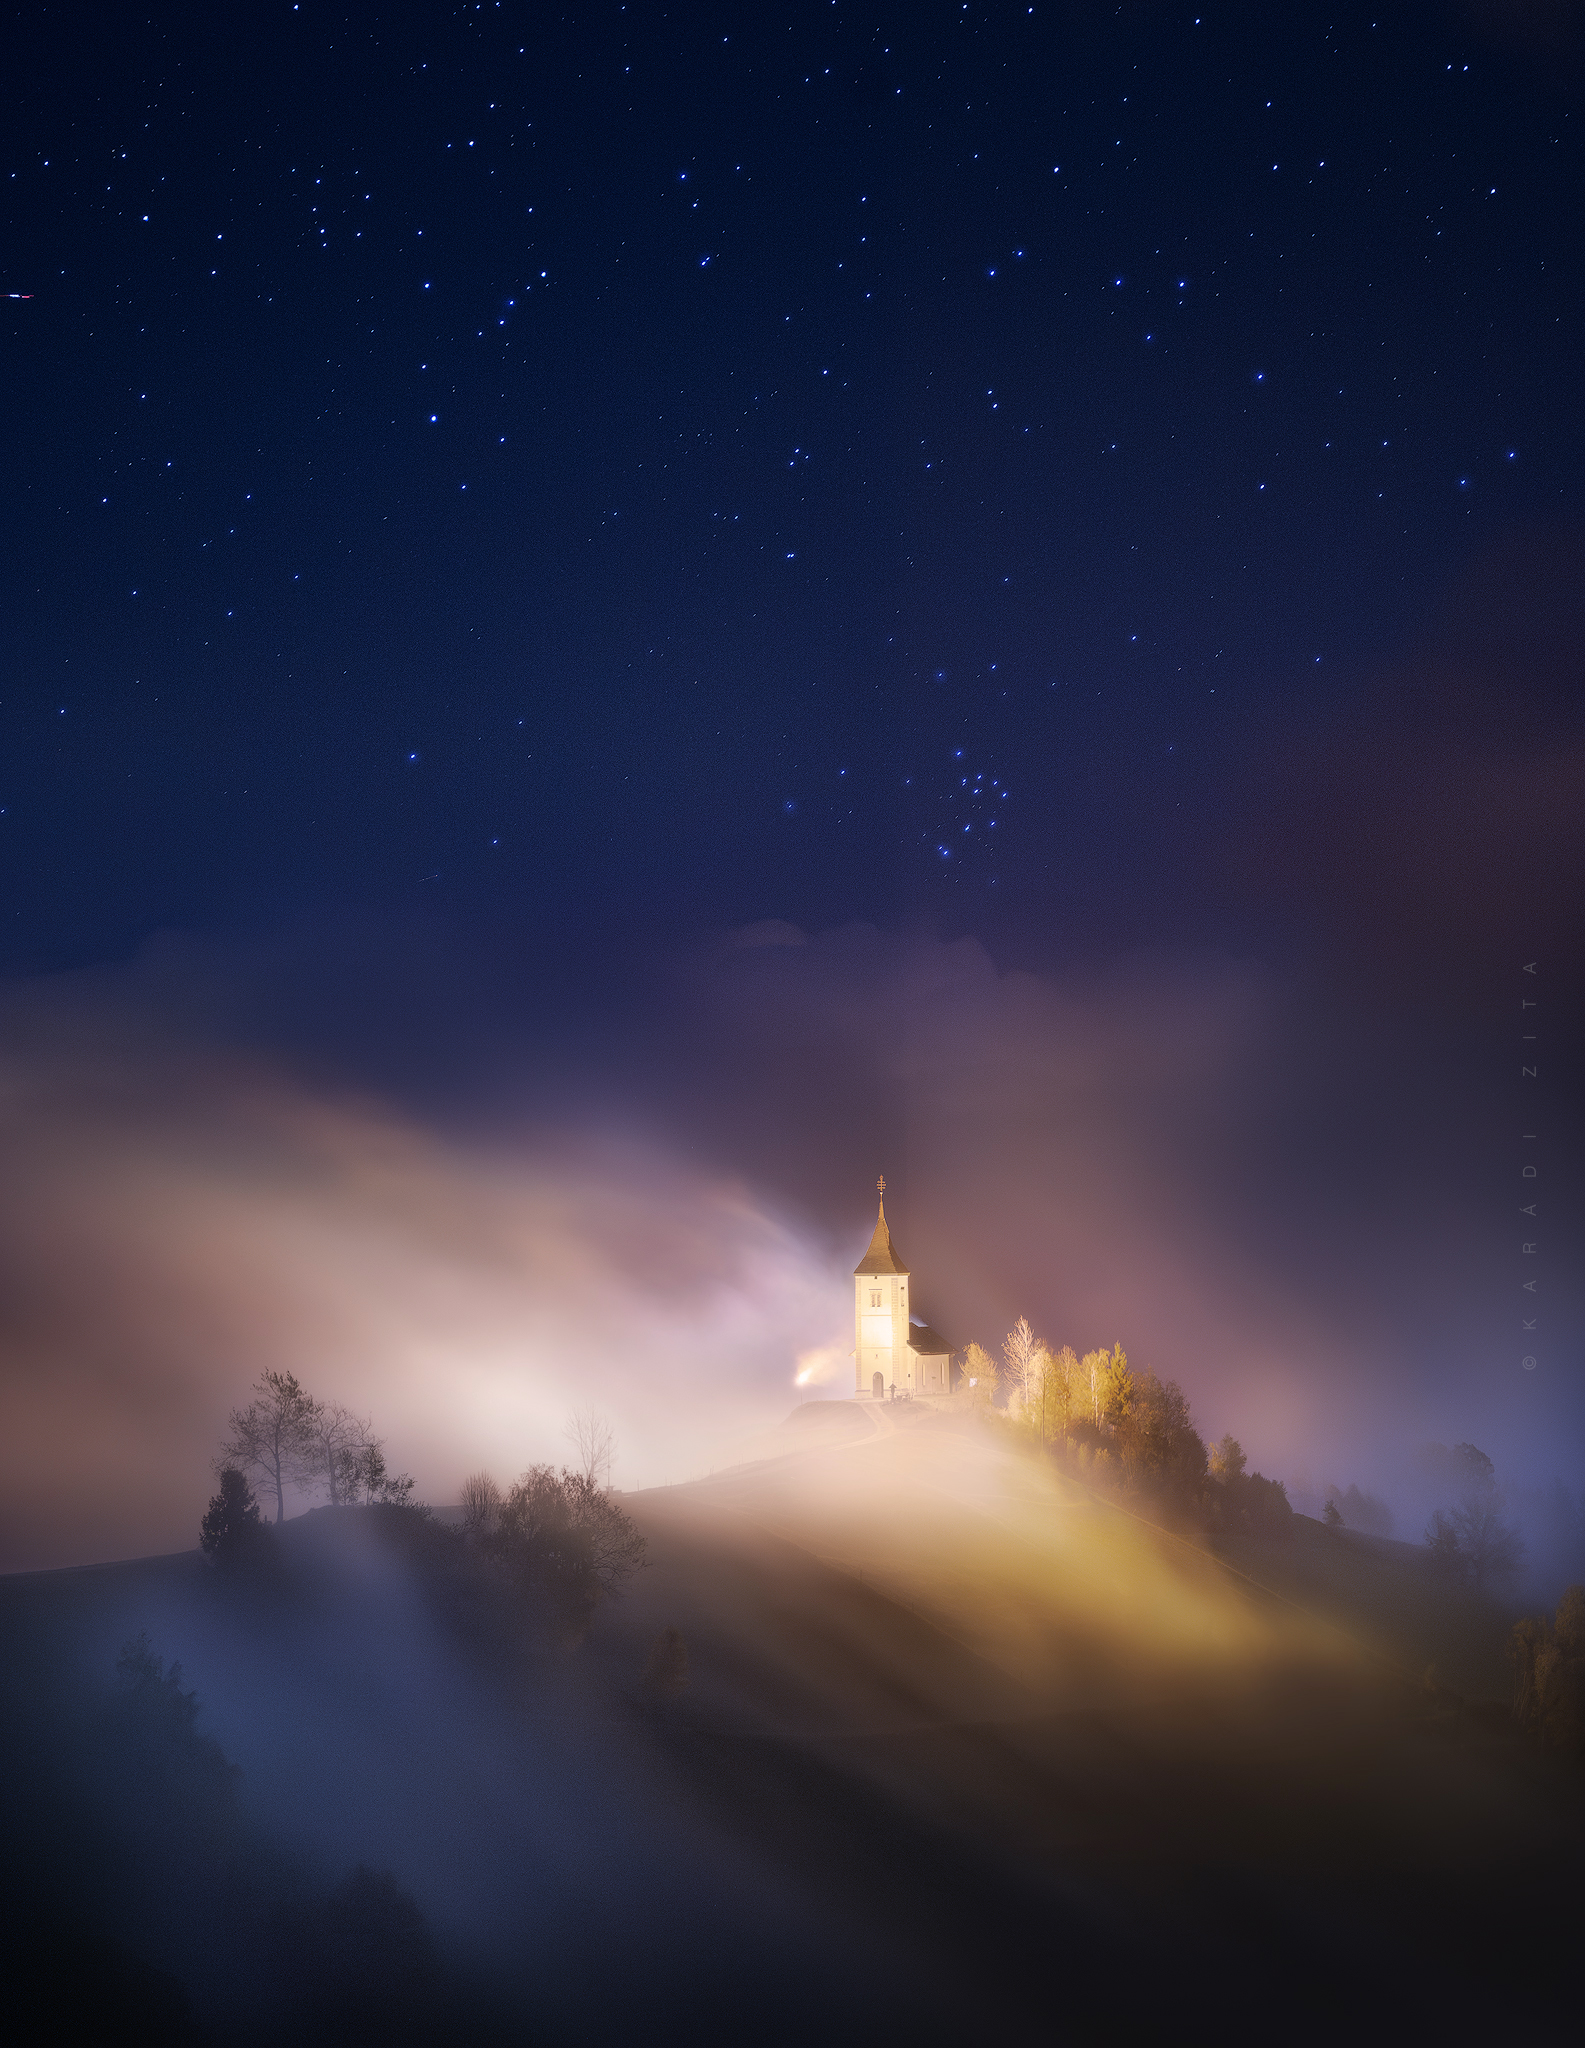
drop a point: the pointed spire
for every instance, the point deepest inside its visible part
(882, 1254)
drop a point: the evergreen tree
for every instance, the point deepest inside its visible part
(232, 1531)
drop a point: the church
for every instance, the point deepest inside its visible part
(894, 1357)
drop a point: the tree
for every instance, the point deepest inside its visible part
(1021, 1348)
(1117, 1386)
(1266, 1507)
(1492, 1548)
(1441, 1539)
(1227, 1459)
(1160, 1446)
(1549, 1673)
(1571, 1621)
(979, 1376)
(232, 1532)
(1476, 1471)
(367, 1477)
(564, 1540)
(336, 1441)
(273, 1435)
(481, 1502)
(1472, 1542)
(1092, 1377)
(1332, 1515)
(1059, 1372)
(595, 1442)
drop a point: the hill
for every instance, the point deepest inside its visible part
(960, 1745)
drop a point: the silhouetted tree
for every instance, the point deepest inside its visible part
(1492, 1548)
(1549, 1674)
(563, 1540)
(595, 1442)
(365, 1477)
(1226, 1459)
(273, 1435)
(1471, 1542)
(1441, 1539)
(481, 1502)
(231, 1532)
(1476, 1471)
(153, 1726)
(1332, 1514)
(336, 1441)
(1265, 1507)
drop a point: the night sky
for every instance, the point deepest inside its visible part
(499, 498)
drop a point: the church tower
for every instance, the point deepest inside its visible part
(893, 1356)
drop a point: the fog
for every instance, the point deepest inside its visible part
(467, 1222)
(953, 1728)
(177, 1220)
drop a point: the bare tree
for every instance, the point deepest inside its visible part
(1022, 1348)
(595, 1441)
(1473, 1543)
(481, 1501)
(1092, 1374)
(273, 1435)
(367, 1477)
(337, 1442)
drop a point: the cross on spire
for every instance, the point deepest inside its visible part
(881, 1183)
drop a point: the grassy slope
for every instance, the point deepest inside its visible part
(959, 1692)
(1386, 1595)
(965, 1740)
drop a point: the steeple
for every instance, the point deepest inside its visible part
(882, 1254)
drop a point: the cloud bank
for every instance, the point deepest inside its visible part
(175, 1222)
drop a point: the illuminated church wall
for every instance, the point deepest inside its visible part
(891, 1353)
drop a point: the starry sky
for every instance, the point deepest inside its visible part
(710, 463)
(500, 499)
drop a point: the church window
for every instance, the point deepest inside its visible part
(875, 1297)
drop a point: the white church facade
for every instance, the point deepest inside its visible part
(894, 1357)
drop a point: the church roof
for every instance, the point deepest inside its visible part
(931, 1342)
(882, 1255)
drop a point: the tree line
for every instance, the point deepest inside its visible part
(1124, 1427)
(549, 1547)
(1548, 1657)
(286, 1438)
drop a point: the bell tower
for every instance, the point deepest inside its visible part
(882, 1360)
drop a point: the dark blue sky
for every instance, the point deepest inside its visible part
(676, 466)
(1072, 512)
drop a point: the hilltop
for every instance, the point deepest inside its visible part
(957, 1739)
